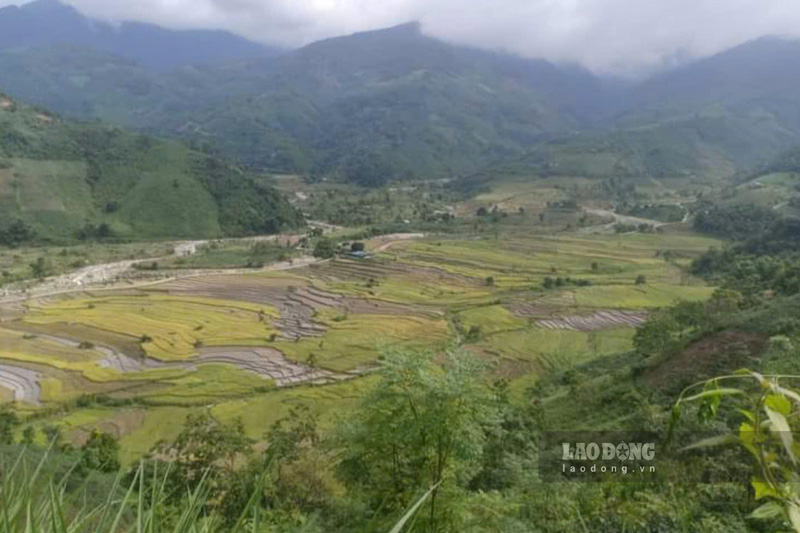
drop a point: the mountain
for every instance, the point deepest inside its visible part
(394, 103)
(385, 104)
(66, 180)
(50, 23)
(760, 76)
(370, 107)
(731, 113)
(742, 104)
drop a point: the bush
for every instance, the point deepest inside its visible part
(324, 249)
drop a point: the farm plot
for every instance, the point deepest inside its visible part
(523, 260)
(596, 321)
(556, 349)
(24, 384)
(353, 342)
(639, 296)
(169, 328)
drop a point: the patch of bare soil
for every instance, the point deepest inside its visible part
(384, 242)
(252, 289)
(25, 384)
(715, 354)
(597, 321)
(11, 311)
(266, 362)
(531, 309)
(122, 423)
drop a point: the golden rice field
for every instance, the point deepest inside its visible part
(322, 328)
(174, 326)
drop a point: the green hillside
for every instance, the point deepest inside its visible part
(69, 181)
(369, 107)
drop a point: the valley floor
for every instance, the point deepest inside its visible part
(128, 352)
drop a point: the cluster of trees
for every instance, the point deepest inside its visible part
(558, 282)
(91, 231)
(245, 207)
(764, 263)
(737, 222)
(16, 233)
(752, 275)
(660, 212)
(623, 227)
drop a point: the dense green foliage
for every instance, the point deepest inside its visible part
(766, 259)
(737, 222)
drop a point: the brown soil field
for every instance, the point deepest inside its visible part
(122, 423)
(24, 384)
(704, 359)
(597, 321)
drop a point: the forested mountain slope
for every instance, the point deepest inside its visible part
(391, 104)
(62, 181)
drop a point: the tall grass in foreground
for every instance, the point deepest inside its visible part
(32, 501)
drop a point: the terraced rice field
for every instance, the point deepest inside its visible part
(252, 345)
(599, 320)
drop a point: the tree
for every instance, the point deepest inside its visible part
(28, 435)
(16, 233)
(689, 315)
(205, 447)
(767, 412)
(8, 423)
(655, 336)
(422, 426)
(100, 452)
(324, 248)
(40, 268)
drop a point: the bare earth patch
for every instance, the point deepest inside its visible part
(597, 321)
(268, 363)
(122, 423)
(715, 354)
(25, 384)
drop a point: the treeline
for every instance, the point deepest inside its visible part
(737, 222)
(765, 261)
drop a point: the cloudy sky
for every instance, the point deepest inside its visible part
(611, 36)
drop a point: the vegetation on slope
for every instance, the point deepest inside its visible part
(64, 181)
